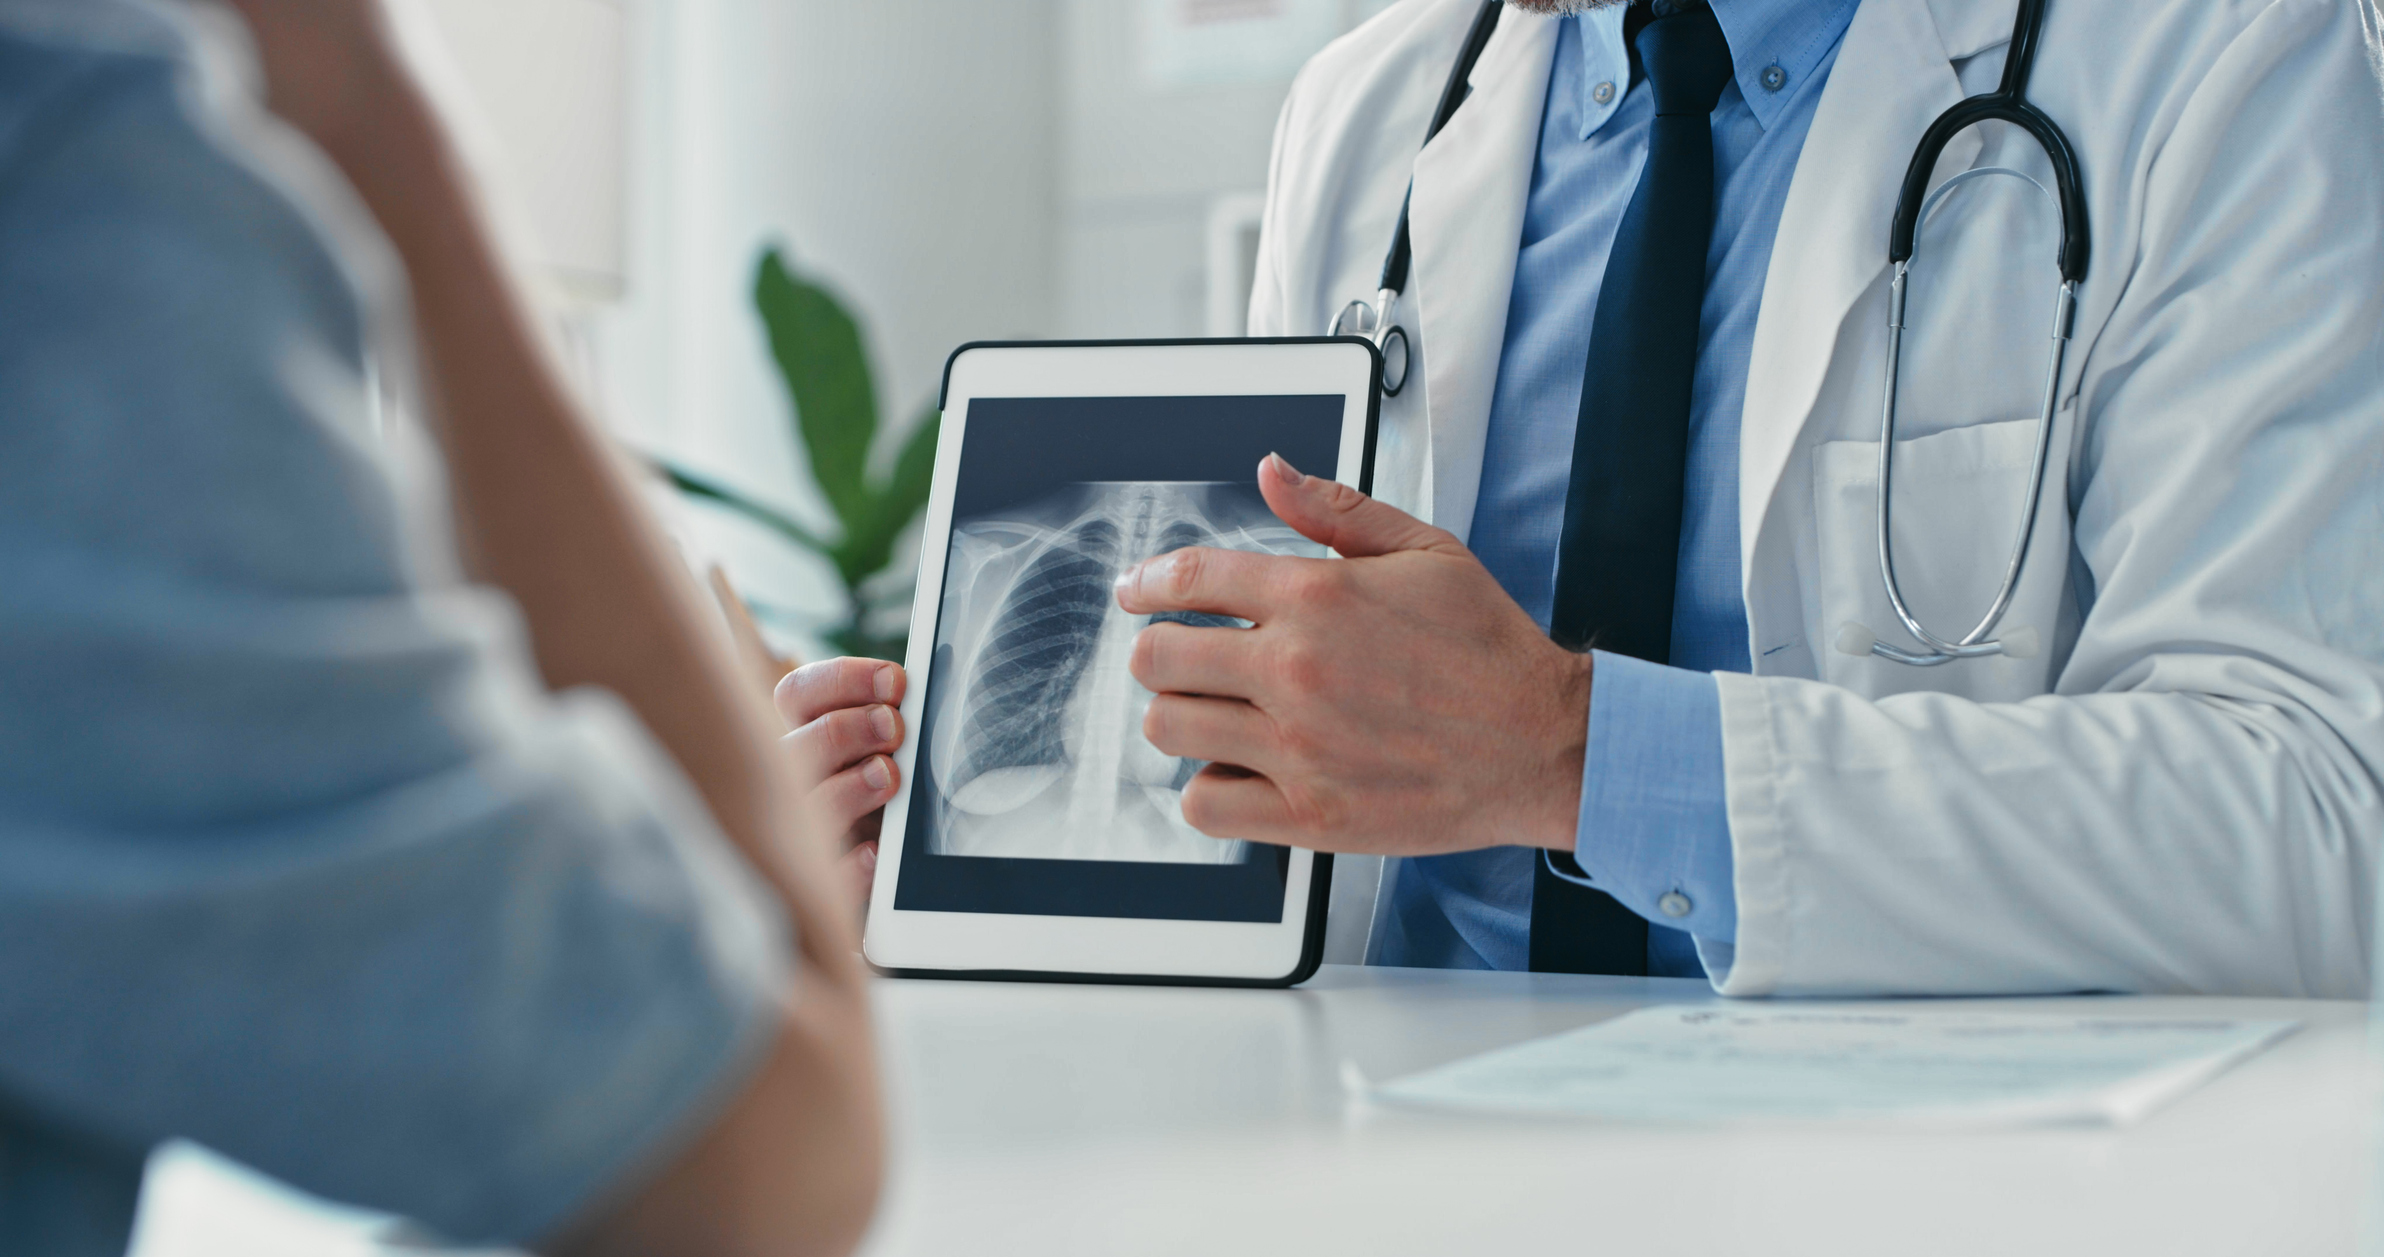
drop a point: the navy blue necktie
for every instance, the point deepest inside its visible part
(1620, 551)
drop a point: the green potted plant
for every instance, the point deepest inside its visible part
(816, 344)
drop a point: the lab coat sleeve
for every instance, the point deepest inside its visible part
(2196, 806)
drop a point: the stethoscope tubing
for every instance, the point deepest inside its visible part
(2008, 103)
(1374, 320)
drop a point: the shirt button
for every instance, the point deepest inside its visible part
(1774, 78)
(1603, 93)
(1675, 905)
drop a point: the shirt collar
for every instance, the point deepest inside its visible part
(1605, 65)
(1775, 46)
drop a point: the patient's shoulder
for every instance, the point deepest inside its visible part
(183, 326)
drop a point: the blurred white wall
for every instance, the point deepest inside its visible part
(548, 82)
(956, 169)
(902, 149)
(1140, 164)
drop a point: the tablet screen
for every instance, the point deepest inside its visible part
(1033, 790)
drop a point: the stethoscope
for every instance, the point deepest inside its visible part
(1372, 319)
(2007, 103)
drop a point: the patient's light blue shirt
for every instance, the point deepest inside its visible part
(1652, 816)
(298, 858)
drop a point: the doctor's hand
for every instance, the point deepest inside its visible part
(1393, 701)
(847, 721)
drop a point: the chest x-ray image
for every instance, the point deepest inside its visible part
(1035, 745)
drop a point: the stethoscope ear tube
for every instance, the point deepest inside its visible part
(2008, 103)
(2021, 643)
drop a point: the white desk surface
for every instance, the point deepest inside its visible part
(1054, 1120)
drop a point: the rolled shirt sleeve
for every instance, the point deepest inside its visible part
(1655, 825)
(298, 859)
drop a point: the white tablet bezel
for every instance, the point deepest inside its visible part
(1103, 947)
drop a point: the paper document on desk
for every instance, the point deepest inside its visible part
(1708, 1063)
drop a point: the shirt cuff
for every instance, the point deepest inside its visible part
(1655, 826)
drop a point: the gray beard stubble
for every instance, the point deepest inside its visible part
(1562, 8)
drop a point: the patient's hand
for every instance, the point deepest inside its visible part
(847, 720)
(1395, 700)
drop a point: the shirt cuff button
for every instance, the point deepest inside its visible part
(1675, 905)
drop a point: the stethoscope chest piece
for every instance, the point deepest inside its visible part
(1394, 360)
(1372, 321)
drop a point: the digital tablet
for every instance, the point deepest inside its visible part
(1039, 834)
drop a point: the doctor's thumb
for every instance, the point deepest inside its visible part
(1335, 515)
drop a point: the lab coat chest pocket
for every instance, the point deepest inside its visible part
(1958, 503)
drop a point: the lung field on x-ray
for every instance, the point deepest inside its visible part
(1035, 729)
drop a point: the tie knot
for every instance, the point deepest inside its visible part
(1686, 58)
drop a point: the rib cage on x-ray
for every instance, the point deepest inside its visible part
(1036, 736)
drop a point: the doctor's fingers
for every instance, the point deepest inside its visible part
(1238, 583)
(1190, 659)
(816, 689)
(1223, 801)
(1220, 730)
(1354, 525)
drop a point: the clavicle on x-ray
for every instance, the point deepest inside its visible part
(1038, 750)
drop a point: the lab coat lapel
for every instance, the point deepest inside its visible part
(1894, 75)
(1466, 221)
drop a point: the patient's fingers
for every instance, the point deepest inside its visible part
(1184, 659)
(860, 868)
(815, 689)
(849, 801)
(842, 739)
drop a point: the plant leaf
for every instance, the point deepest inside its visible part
(817, 345)
(870, 546)
(914, 469)
(696, 486)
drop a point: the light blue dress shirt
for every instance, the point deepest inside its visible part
(1653, 821)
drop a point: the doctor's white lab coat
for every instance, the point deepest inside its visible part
(2180, 791)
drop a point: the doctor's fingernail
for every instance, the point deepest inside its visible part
(881, 723)
(875, 774)
(884, 684)
(1290, 474)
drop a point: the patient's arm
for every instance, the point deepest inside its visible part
(791, 1165)
(790, 1168)
(548, 511)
